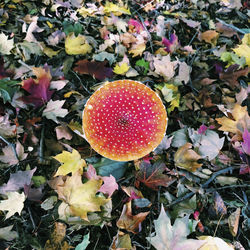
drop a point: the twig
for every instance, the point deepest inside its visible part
(188, 195)
(210, 190)
(81, 82)
(31, 218)
(13, 146)
(231, 26)
(25, 65)
(41, 144)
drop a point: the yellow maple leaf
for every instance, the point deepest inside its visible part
(214, 243)
(115, 9)
(239, 122)
(86, 12)
(243, 50)
(121, 69)
(137, 49)
(72, 162)
(77, 45)
(185, 157)
(246, 39)
(80, 197)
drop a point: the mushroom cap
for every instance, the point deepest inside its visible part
(124, 120)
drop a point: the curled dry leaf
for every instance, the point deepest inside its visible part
(129, 222)
(185, 157)
(233, 222)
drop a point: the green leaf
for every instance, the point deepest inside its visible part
(107, 167)
(84, 243)
(144, 64)
(7, 89)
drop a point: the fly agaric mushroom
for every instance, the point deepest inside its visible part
(124, 120)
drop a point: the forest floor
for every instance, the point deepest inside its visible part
(191, 192)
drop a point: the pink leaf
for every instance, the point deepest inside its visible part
(109, 185)
(246, 142)
(172, 44)
(91, 173)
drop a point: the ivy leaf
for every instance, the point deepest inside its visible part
(54, 109)
(14, 203)
(168, 237)
(71, 162)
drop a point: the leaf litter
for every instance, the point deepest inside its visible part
(57, 193)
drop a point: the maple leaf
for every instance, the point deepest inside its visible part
(185, 157)
(14, 203)
(210, 36)
(213, 243)
(17, 180)
(6, 129)
(172, 44)
(231, 75)
(168, 237)
(115, 9)
(38, 88)
(109, 185)
(243, 50)
(54, 109)
(9, 156)
(93, 68)
(137, 49)
(6, 45)
(122, 241)
(77, 45)
(240, 121)
(80, 197)
(152, 175)
(129, 222)
(121, 69)
(164, 67)
(72, 162)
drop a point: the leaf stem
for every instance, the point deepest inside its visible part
(231, 26)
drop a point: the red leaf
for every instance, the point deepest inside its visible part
(93, 68)
(152, 175)
(38, 88)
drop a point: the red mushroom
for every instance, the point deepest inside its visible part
(124, 120)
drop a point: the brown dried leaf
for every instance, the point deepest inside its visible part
(217, 208)
(210, 36)
(130, 222)
(233, 222)
(122, 241)
(185, 157)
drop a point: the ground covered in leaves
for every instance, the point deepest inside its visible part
(192, 192)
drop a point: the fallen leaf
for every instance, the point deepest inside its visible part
(239, 122)
(172, 44)
(85, 242)
(211, 243)
(81, 198)
(185, 157)
(122, 241)
(9, 156)
(115, 9)
(6, 128)
(109, 185)
(38, 88)
(183, 73)
(7, 234)
(137, 49)
(54, 109)
(77, 45)
(218, 207)
(243, 50)
(233, 222)
(129, 222)
(121, 69)
(210, 36)
(93, 68)
(71, 162)
(6, 45)
(152, 175)
(63, 132)
(17, 181)
(246, 141)
(14, 204)
(231, 75)
(33, 28)
(168, 237)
